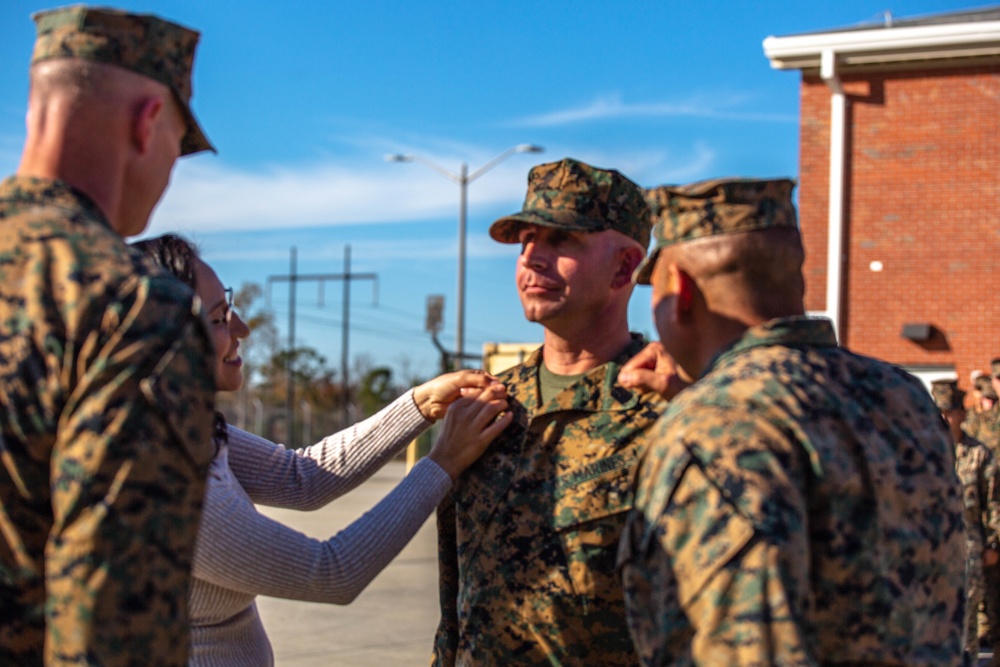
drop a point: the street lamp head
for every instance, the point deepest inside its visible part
(398, 157)
(528, 148)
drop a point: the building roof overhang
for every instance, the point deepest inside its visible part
(887, 46)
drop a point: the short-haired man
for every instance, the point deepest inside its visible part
(106, 383)
(984, 425)
(798, 504)
(980, 477)
(984, 396)
(529, 535)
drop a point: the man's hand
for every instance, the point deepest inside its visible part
(434, 396)
(990, 557)
(652, 370)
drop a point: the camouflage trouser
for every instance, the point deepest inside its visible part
(991, 605)
(975, 591)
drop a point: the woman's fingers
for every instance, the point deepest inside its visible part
(470, 426)
(434, 396)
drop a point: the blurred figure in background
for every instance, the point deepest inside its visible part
(983, 396)
(980, 477)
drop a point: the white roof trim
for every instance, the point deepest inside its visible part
(886, 45)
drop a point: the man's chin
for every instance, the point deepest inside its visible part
(534, 313)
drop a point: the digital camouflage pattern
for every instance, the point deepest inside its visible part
(797, 506)
(985, 427)
(106, 406)
(575, 196)
(528, 537)
(980, 478)
(143, 43)
(718, 206)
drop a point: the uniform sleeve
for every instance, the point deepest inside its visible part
(446, 637)
(714, 563)
(735, 581)
(243, 550)
(309, 478)
(659, 628)
(128, 470)
(971, 424)
(991, 496)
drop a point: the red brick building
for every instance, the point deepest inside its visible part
(899, 186)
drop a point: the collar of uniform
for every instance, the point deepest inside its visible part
(794, 331)
(32, 191)
(596, 391)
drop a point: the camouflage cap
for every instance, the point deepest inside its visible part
(143, 43)
(947, 396)
(718, 206)
(984, 386)
(577, 197)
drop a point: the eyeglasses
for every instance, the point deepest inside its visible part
(227, 314)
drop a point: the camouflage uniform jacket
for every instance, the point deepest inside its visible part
(529, 535)
(798, 506)
(985, 427)
(106, 406)
(980, 477)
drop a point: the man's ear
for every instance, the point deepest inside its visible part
(686, 288)
(629, 258)
(144, 121)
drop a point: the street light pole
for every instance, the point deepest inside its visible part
(463, 178)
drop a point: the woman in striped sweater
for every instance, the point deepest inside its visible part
(240, 553)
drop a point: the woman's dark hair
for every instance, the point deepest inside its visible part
(174, 253)
(177, 255)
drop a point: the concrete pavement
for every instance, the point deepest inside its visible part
(391, 623)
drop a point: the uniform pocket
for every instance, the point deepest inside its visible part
(591, 505)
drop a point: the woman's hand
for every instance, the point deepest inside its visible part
(434, 396)
(472, 422)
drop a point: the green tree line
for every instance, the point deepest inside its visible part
(323, 405)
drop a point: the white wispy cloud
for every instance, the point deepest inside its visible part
(207, 195)
(429, 249)
(612, 106)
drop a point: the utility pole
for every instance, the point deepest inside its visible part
(289, 366)
(292, 278)
(344, 335)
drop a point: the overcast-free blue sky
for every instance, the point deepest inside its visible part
(304, 100)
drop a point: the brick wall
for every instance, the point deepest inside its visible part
(923, 198)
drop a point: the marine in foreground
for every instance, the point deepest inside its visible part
(106, 394)
(799, 505)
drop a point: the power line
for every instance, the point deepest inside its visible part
(369, 330)
(293, 277)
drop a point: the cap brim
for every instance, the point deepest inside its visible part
(194, 140)
(644, 272)
(508, 228)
